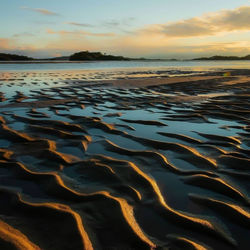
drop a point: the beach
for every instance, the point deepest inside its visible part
(125, 159)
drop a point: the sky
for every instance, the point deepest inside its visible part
(134, 28)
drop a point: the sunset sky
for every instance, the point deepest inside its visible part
(135, 28)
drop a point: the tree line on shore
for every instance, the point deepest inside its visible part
(98, 56)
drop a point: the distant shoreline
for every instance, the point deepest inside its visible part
(146, 60)
(86, 56)
(86, 61)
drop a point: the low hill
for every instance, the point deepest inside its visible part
(220, 58)
(13, 57)
(95, 56)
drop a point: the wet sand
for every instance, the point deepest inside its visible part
(140, 160)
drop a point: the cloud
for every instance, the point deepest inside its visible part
(13, 45)
(86, 25)
(41, 11)
(5, 43)
(79, 33)
(238, 19)
(191, 27)
(209, 24)
(24, 34)
(113, 23)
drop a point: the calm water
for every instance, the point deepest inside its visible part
(180, 65)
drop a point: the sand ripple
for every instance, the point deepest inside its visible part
(84, 166)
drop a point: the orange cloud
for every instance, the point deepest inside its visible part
(5, 43)
(12, 44)
(79, 33)
(41, 11)
(206, 25)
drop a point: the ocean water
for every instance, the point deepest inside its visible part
(160, 65)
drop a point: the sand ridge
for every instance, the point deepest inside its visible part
(128, 163)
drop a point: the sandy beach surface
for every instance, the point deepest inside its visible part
(139, 160)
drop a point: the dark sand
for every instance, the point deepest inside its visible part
(124, 163)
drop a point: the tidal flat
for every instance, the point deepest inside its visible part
(125, 160)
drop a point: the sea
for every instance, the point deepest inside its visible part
(126, 65)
